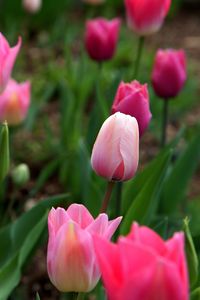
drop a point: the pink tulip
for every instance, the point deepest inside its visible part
(142, 266)
(133, 99)
(14, 102)
(101, 38)
(169, 73)
(146, 16)
(115, 153)
(7, 59)
(71, 260)
(32, 6)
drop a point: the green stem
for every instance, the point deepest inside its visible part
(80, 296)
(139, 55)
(100, 100)
(107, 197)
(164, 122)
(118, 198)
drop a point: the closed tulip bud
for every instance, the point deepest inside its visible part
(32, 6)
(142, 266)
(133, 99)
(169, 73)
(7, 59)
(14, 102)
(21, 175)
(146, 16)
(101, 38)
(115, 153)
(71, 260)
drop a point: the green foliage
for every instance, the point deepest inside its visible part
(19, 239)
(4, 150)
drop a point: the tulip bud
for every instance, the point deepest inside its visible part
(146, 16)
(101, 38)
(21, 175)
(142, 266)
(115, 153)
(32, 6)
(133, 99)
(4, 152)
(7, 59)
(169, 73)
(71, 261)
(14, 102)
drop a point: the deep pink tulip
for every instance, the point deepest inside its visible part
(146, 16)
(115, 153)
(7, 59)
(71, 260)
(142, 266)
(14, 102)
(133, 99)
(169, 72)
(101, 38)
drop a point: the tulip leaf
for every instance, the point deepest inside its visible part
(176, 183)
(133, 187)
(4, 151)
(37, 297)
(195, 295)
(19, 239)
(192, 259)
(146, 200)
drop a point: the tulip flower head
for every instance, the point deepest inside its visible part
(71, 260)
(32, 6)
(115, 153)
(14, 102)
(101, 38)
(133, 99)
(146, 16)
(7, 59)
(142, 266)
(169, 73)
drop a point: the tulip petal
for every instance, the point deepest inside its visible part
(79, 214)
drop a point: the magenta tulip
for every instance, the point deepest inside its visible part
(169, 73)
(71, 260)
(142, 266)
(7, 59)
(133, 99)
(115, 153)
(101, 38)
(14, 102)
(146, 16)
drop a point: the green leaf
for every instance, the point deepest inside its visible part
(192, 259)
(193, 209)
(176, 184)
(37, 297)
(145, 203)
(133, 187)
(4, 151)
(195, 295)
(18, 240)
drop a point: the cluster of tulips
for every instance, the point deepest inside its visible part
(141, 265)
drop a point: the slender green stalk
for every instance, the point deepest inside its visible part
(139, 55)
(100, 100)
(80, 296)
(118, 198)
(165, 114)
(107, 197)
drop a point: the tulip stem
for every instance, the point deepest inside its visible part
(107, 197)
(118, 198)
(139, 55)
(164, 122)
(100, 100)
(80, 296)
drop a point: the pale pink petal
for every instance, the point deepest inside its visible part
(79, 214)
